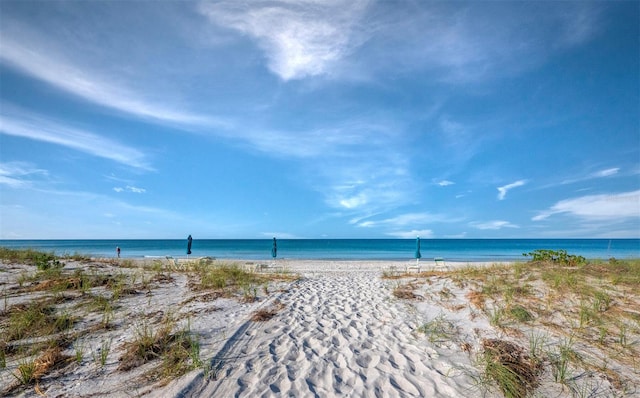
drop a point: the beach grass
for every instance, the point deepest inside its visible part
(570, 301)
(51, 311)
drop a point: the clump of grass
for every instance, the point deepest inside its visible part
(34, 319)
(103, 353)
(507, 364)
(3, 355)
(520, 314)
(31, 370)
(25, 372)
(496, 317)
(438, 329)
(38, 258)
(78, 347)
(178, 352)
(231, 278)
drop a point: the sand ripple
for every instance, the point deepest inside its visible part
(337, 335)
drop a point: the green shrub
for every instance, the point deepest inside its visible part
(556, 257)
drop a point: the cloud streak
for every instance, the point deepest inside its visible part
(41, 129)
(15, 174)
(39, 59)
(624, 205)
(502, 191)
(493, 225)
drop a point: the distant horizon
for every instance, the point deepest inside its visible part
(299, 119)
(268, 239)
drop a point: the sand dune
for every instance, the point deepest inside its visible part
(337, 331)
(338, 334)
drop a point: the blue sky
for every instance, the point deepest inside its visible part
(314, 118)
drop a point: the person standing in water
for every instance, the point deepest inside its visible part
(118, 251)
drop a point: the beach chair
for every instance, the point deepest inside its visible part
(415, 266)
(438, 260)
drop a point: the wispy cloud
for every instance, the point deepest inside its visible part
(280, 235)
(18, 174)
(502, 191)
(606, 206)
(299, 39)
(129, 188)
(445, 183)
(470, 42)
(493, 225)
(423, 233)
(33, 127)
(403, 220)
(606, 172)
(36, 56)
(594, 175)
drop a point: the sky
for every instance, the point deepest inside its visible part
(319, 119)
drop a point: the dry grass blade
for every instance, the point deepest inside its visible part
(405, 292)
(511, 368)
(264, 314)
(50, 359)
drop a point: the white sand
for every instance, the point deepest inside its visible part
(340, 333)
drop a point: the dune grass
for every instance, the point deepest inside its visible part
(571, 302)
(52, 311)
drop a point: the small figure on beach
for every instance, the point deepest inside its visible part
(189, 241)
(118, 251)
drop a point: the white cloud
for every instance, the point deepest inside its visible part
(354, 201)
(19, 174)
(130, 188)
(280, 235)
(502, 191)
(606, 173)
(606, 206)
(40, 129)
(40, 58)
(598, 174)
(404, 220)
(445, 183)
(422, 233)
(493, 225)
(300, 38)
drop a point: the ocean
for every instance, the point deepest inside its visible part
(337, 249)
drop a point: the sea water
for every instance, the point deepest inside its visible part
(337, 249)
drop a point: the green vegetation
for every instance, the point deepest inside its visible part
(59, 304)
(178, 350)
(508, 365)
(568, 301)
(438, 329)
(556, 257)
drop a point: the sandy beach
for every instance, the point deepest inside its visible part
(344, 329)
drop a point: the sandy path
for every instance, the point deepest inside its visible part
(339, 334)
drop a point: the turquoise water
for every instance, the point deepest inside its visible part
(339, 249)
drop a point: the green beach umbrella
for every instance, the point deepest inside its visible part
(189, 241)
(418, 255)
(274, 249)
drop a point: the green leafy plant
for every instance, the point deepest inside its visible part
(556, 257)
